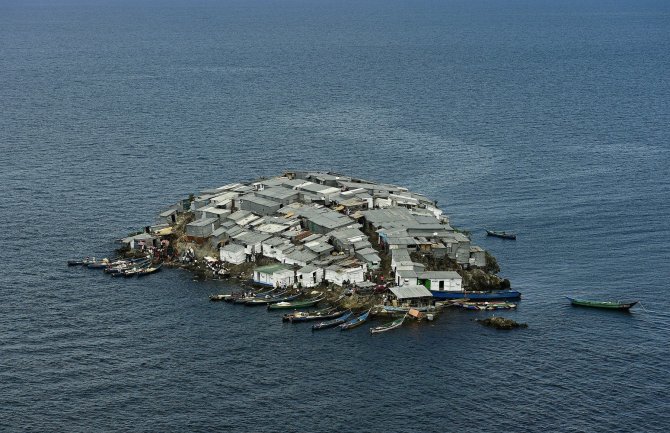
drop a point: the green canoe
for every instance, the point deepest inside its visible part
(611, 305)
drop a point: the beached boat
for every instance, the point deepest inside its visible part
(268, 301)
(147, 271)
(388, 326)
(284, 305)
(356, 321)
(98, 264)
(333, 322)
(503, 235)
(126, 265)
(243, 298)
(477, 296)
(609, 305)
(390, 309)
(308, 316)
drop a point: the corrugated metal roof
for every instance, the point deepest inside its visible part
(411, 291)
(439, 275)
(233, 248)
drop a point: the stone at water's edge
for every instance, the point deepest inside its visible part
(501, 323)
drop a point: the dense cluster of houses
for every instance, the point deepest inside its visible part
(313, 223)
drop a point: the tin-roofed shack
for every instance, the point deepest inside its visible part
(326, 228)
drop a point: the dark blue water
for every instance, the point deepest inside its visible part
(546, 118)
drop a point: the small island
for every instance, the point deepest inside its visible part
(304, 238)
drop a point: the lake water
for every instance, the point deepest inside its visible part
(546, 118)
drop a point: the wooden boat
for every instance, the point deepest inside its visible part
(357, 321)
(390, 309)
(609, 305)
(284, 305)
(83, 262)
(477, 296)
(481, 306)
(503, 235)
(327, 314)
(333, 322)
(268, 301)
(98, 264)
(388, 326)
(146, 271)
(256, 298)
(126, 265)
(216, 298)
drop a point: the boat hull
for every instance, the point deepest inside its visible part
(293, 305)
(477, 296)
(621, 306)
(501, 235)
(308, 318)
(332, 323)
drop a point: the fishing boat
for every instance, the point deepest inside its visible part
(257, 298)
(390, 309)
(302, 316)
(388, 326)
(126, 265)
(284, 305)
(477, 295)
(482, 306)
(609, 305)
(356, 321)
(333, 322)
(216, 298)
(98, 264)
(503, 235)
(268, 301)
(82, 262)
(151, 270)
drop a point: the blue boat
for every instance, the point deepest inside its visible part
(357, 321)
(477, 296)
(332, 323)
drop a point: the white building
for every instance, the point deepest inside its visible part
(277, 275)
(233, 253)
(448, 281)
(310, 276)
(339, 275)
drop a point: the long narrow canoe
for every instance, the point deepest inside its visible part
(285, 305)
(485, 305)
(268, 301)
(332, 323)
(299, 316)
(147, 271)
(477, 296)
(388, 326)
(503, 235)
(258, 298)
(357, 321)
(610, 305)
